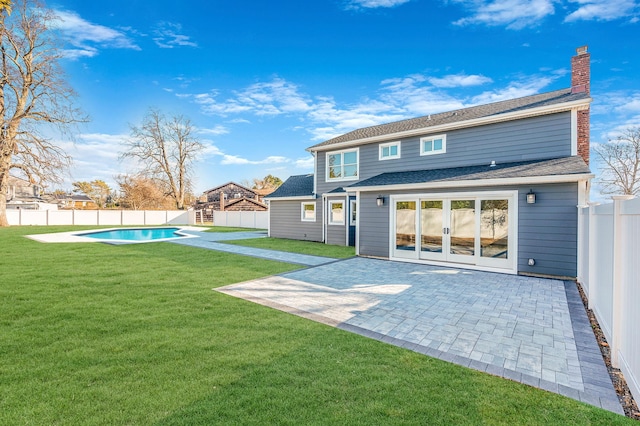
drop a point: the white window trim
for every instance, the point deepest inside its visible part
(302, 210)
(388, 145)
(353, 204)
(344, 212)
(431, 138)
(326, 166)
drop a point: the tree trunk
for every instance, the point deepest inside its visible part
(4, 186)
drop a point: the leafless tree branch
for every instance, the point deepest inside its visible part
(33, 95)
(621, 160)
(165, 150)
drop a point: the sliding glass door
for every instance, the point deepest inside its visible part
(470, 230)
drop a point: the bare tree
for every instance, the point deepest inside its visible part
(166, 150)
(141, 193)
(621, 160)
(33, 96)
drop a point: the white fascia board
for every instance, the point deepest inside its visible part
(536, 180)
(300, 197)
(335, 194)
(531, 112)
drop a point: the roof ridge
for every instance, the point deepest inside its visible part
(458, 115)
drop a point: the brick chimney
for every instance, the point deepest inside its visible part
(222, 201)
(581, 83)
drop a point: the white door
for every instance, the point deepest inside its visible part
(458, 228)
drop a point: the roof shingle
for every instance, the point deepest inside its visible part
(295, 186)
(536, 168)
(475, 112)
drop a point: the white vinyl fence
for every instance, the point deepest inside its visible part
(100, 217)
(609, 271)
(258, 220)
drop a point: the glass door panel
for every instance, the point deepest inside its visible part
(494, 229)
(431, 229)
(462, 230)
(405, 232)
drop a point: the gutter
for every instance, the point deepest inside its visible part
(533, 180)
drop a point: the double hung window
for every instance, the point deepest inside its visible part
(342, 165)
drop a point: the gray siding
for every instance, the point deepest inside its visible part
(285, 221)
(373, 226)
(527, 139)
(547, 230)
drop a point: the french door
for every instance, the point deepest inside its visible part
(458, 228)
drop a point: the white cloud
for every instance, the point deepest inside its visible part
(95, 156)
(374, 4)
(235, 160)
(414, 97)
(514, 14)
(459, 80)
(604, 10)
(516, 89)
(167, 36)
(270, 98)
(398, 98)
(305, 163)
(85, 37)
(216, 130)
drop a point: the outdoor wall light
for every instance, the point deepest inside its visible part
(531, 197)
(380, 201)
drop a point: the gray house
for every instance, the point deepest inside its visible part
(493, 187)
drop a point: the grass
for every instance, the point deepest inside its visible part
(232, 229)
(296, 246)
(94, 334)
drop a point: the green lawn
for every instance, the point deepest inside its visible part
(296, 246)
(100, 334)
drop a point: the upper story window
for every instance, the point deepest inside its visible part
(342, 165)
(433, 145)
(389, 150)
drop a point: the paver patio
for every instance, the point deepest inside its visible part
(531, 330)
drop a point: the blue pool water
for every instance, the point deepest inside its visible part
(135, 235)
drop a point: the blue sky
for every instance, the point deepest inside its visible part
(264, 80)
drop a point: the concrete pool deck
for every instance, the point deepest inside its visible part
(74, 237)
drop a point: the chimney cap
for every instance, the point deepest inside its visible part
(582, 50)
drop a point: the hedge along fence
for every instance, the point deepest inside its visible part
(100, 217)
(609, 271)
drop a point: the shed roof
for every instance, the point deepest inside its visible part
(294, 186)
(564, 166)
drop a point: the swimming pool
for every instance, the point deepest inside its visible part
(135, 235)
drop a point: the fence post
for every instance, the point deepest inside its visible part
(617, 278)
(592, 279)
(582, 256)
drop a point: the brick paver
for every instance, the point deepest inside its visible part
(531, 330)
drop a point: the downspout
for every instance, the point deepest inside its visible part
(315, 171)
(324, 227)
